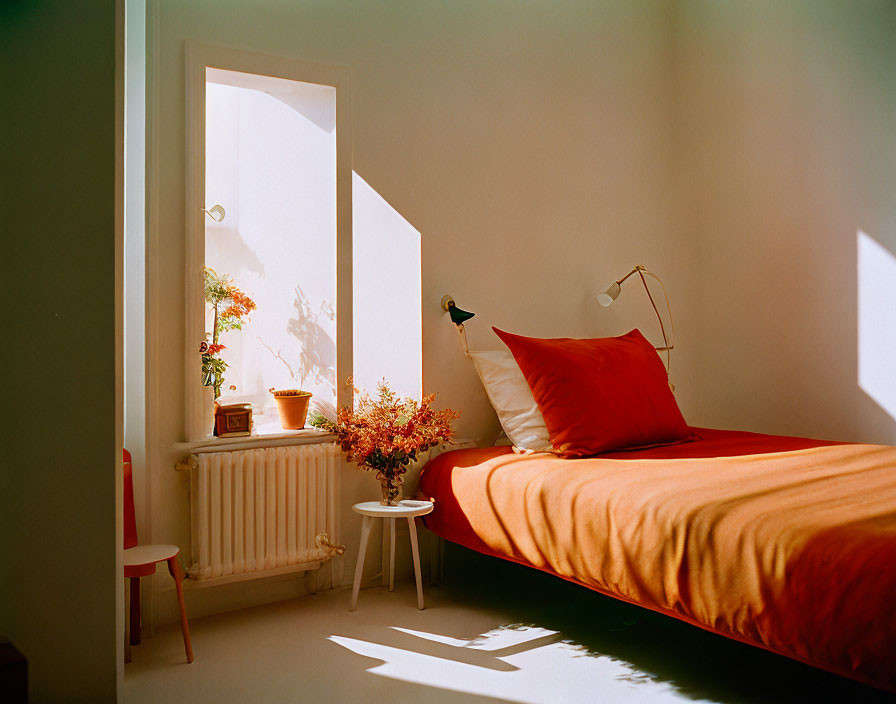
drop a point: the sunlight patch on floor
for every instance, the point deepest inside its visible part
(523, 664)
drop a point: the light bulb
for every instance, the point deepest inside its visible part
(610, 295)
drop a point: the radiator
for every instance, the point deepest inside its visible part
(262, 510)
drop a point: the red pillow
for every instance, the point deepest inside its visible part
(609, 393)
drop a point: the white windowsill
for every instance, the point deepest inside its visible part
(306, 436)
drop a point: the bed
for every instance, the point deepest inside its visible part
(784, 543)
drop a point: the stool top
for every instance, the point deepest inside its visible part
(405, 509)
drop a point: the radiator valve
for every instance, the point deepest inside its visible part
(324, 543)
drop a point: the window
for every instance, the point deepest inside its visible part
(269, 142)
(270, 161)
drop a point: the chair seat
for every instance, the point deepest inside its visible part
(141, 555)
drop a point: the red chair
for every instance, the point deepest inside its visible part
(141, 560)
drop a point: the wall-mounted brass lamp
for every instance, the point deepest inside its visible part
(607, 297)
(458, 317)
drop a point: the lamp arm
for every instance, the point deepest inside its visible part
(634, 271)
(463, 338)
(668, 307)
(667, 346)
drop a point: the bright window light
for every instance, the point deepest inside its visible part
(877, 322)
(271, 162)
(386, 291)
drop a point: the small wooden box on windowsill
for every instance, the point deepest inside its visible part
(234, 420)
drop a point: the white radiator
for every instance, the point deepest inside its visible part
(262, 510)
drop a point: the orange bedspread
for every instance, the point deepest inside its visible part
(793, 550)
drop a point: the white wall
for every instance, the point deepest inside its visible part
(529, 145)
(737, 149)
(786, 151)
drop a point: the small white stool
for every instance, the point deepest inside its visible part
(374, 509)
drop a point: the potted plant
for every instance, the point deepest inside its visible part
(384, 435)
(292, 407)
(231, 309)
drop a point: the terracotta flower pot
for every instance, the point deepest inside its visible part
(292, 407)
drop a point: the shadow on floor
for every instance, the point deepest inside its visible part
(494, 632)
(696, 663)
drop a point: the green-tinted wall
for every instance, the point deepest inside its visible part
(57, 229)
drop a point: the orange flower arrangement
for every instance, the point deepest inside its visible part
(220, 290)
(386, 434)
(240, 304)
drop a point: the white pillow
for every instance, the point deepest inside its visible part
(512, 400)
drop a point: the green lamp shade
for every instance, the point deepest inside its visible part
(458, 316)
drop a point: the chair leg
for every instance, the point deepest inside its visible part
(134, 588)
(174, 569)
(127, 626)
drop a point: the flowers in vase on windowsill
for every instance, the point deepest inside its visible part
(386, 434)
(231, 309)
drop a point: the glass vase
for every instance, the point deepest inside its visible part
(391, 486)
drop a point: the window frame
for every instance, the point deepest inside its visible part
(198, 57)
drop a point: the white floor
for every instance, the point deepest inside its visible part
(462, 648)
(314, 649)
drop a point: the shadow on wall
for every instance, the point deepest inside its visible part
(317, 350)
(876, 322)
(237, 247)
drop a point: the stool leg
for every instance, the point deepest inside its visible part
(134, 586)
(359, 566)
(174, 569)
(392, 554)
(412, 527)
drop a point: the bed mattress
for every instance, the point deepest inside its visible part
(784, 543)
